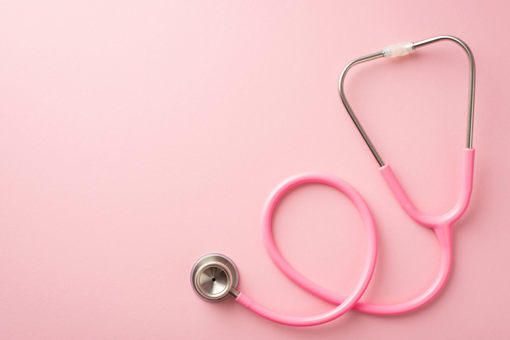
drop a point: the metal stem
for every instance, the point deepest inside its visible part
(348, 107)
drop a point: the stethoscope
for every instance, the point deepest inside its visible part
(214, 277)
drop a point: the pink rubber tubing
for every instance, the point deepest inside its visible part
(368, 270)
(441, 224)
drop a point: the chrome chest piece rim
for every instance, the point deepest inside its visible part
(214, 277)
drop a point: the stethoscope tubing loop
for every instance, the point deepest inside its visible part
(350, 301)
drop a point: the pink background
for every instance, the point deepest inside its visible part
(136, 136)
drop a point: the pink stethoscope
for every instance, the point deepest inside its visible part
(214, 277)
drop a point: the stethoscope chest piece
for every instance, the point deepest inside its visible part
(214, 277)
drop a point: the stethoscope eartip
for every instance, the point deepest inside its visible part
(214, 277)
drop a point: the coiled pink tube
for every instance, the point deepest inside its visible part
(368, 270)
(442, 226)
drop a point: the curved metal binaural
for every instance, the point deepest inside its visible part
(469, 133)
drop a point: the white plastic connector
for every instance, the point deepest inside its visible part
(398, 50)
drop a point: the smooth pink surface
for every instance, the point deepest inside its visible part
(137, 136)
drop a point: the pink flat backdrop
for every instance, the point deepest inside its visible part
(136, 136)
